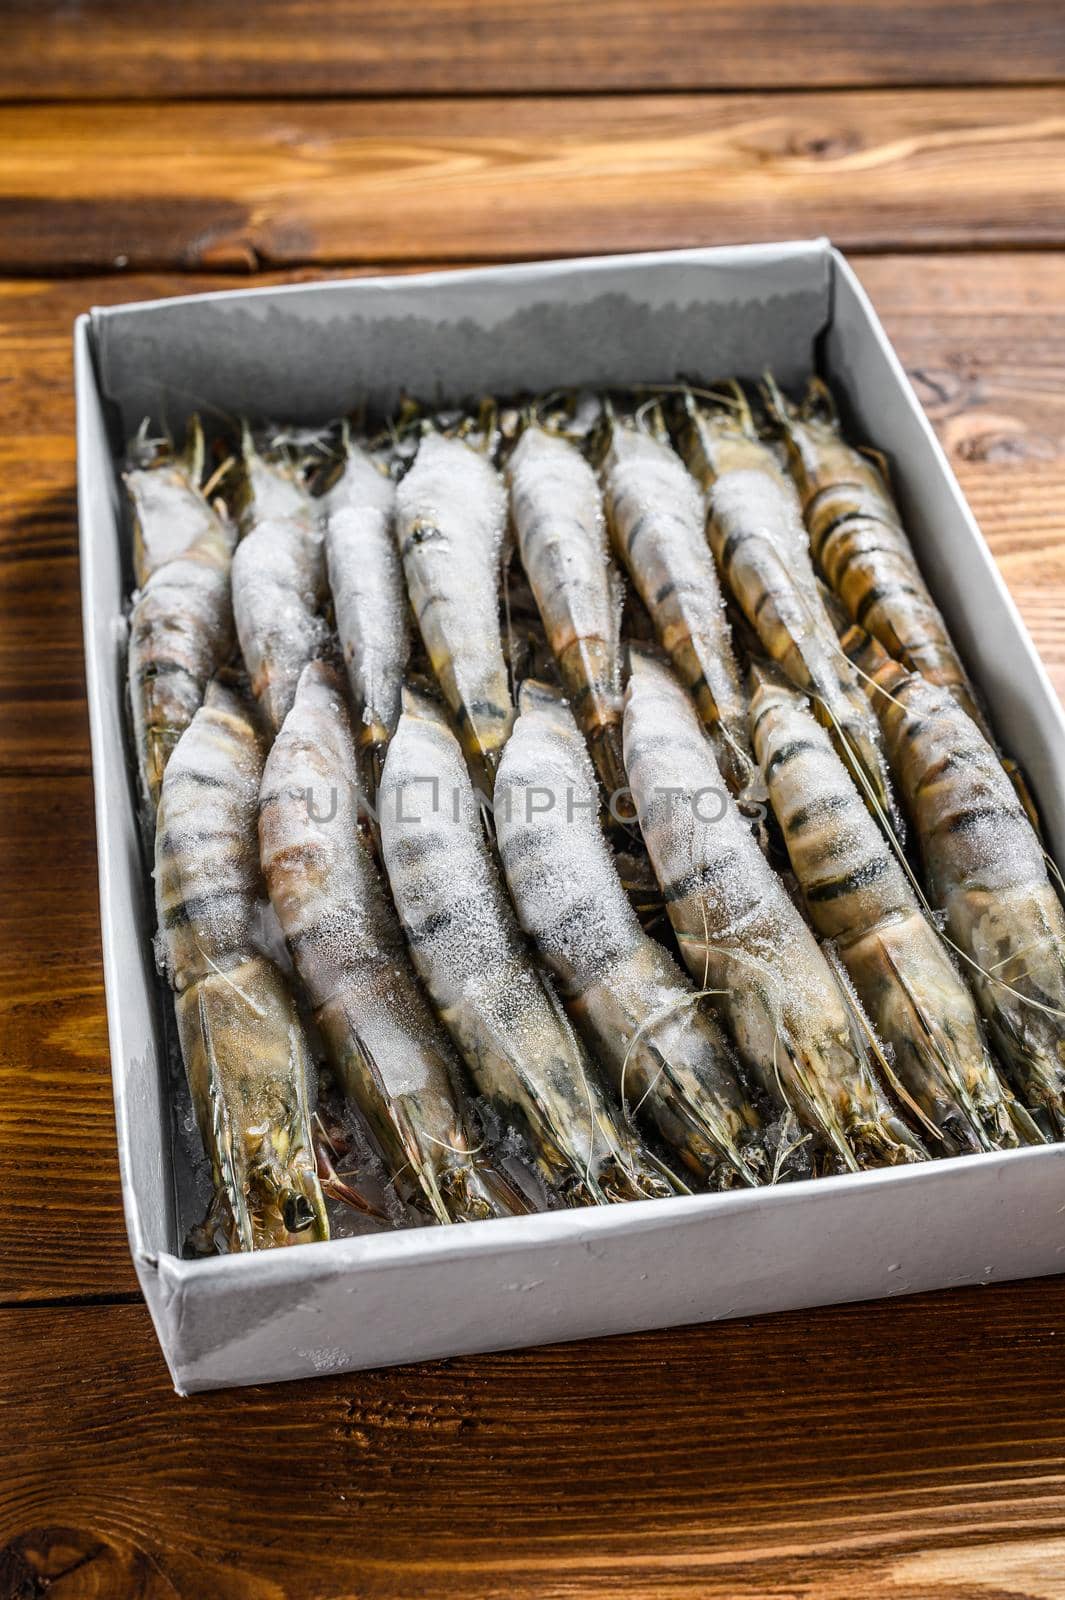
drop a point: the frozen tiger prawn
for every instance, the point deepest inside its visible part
(278, 578)
(468, 948)
(557, 511)
(638, 1012)
(451, 512)
(369, 596)
(388, 1050)
(858, 894)
(756, 530)
(657, 518)
(248, 1064)
(986, 871)
(740, 935)
(181, 624)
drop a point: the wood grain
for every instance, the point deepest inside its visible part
(913, 1450)
(236, 186)
(111, 48)
(61, 1226)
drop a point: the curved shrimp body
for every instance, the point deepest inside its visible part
(858, 540)
(169, 509)
(756, 531)
(451, 513)
(858, 895)
(657, 519)
(369, 596)
(468, 949)
(278, 582)
(742, 938)
(387, 1048)
(637, 1012)
(180, 634)
(557, 512)
(987, 871)
(248, 1064)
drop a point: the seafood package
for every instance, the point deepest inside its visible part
(553, 799)
(572, 799)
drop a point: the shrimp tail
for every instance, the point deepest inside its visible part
(266, 1193)
(477, 1190)
(604, 744)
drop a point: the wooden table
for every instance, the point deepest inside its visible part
(909, 1450)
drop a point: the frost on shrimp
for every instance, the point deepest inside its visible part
(451, 511)
(557, 511)
(504, 1016)
(369, 596)
(638, 1013)
(180, 635)
(657, 518)
(386, 1047)
(169, 508)
(741, 935)
(278, 578)
(859, 895)
(248, 1064)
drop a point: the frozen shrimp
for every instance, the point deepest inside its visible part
(859, 895)
(451, 511)
(557, 512)
(756, 531)
(638, 1013)
(278, 579)
(987, 873)
(248, 1064)
(387, 1049)
(467, 946)
(741, 936)
(657, 518)
(369, 596)
(180, 635)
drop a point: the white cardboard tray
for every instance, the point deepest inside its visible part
(310, 352)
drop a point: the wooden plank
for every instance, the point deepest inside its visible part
(61, 1226)
(265, 184)
(912, 1450)
(983, 338)
(111, 49)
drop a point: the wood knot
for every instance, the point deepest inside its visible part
(998, 441)
(825, 146)
(74, 1564)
